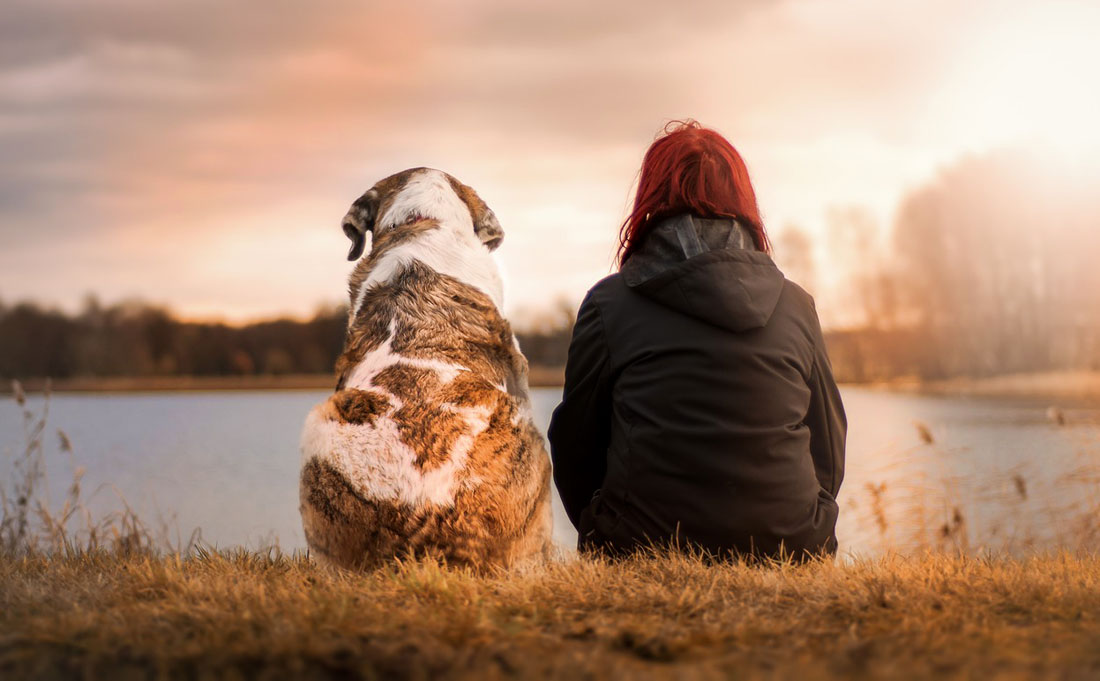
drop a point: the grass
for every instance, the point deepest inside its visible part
(228, 615)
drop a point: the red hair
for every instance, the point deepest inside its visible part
(691, 169)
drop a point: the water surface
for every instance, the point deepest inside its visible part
(227, 462)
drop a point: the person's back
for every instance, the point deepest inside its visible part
(699, 401)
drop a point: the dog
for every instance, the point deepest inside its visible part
(428, 447)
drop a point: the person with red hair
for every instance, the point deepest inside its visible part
(699, 407)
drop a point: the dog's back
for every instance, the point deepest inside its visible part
(428, 446)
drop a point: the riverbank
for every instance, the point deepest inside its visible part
(1055, 386)
(1066, 387)
(539, 377)
(255, 615)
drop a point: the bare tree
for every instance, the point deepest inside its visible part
(794, 253)
(998, 264)
(858, 250)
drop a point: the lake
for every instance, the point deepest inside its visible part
(997, 473)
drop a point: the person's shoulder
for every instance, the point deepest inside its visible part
(797, 296)
(798, 306)
(606, 289)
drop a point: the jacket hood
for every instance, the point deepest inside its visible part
(706, 268)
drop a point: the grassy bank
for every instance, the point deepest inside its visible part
(106, 616)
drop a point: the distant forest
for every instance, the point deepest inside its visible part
(991, 268)
(137, 339)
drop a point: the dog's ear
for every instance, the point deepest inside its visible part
(360, 220)
(488, 230)
(486, 226)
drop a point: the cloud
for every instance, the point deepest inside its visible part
(203, 151)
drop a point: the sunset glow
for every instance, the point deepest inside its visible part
(1030, 76)
(201, 157)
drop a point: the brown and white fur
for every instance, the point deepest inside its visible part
(428, 446)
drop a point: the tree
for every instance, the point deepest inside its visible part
(794, 253)
(997, 264)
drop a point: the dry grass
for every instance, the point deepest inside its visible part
(99, 615)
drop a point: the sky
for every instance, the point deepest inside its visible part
(201, 154)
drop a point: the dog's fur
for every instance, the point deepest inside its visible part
(427, 447)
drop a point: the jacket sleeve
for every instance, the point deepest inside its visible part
(580, 429)
(827, 421)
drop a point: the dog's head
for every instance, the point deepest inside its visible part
(418, 194)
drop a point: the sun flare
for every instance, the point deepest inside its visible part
(1029, 77)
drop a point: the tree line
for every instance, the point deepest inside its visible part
(136, 339)
(991, 267)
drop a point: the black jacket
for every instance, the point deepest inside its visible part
(699, 402)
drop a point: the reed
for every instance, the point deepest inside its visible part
(1018, 511)
(30, 524)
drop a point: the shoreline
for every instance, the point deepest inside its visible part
(1071, 386)
(540, 377)
(1080, 386)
